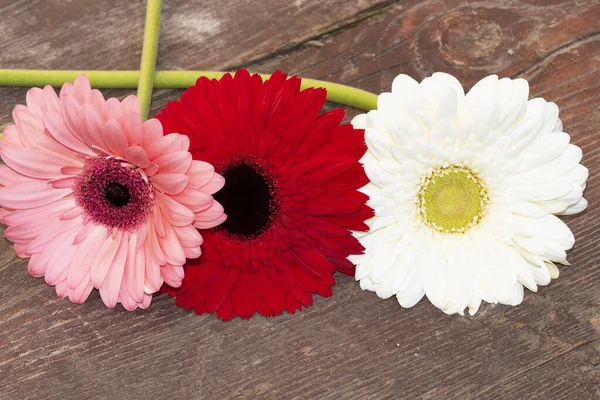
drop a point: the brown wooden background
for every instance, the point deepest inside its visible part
(353, 345)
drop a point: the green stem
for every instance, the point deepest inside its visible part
(336, 93)
(149, 51)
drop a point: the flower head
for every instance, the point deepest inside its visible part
(464, 189)
(290, 193)
(98, 199)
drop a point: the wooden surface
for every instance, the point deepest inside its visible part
(353, 345)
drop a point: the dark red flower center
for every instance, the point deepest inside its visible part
(248, 198)
(113, 194)
(117, 194)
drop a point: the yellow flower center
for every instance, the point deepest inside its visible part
(452, 199)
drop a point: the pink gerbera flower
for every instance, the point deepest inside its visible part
(98, 199)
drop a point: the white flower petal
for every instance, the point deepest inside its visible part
(575, 208)
(360, 121)
(525, 164)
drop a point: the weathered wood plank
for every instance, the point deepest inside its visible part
(200, 34)
(352, 345)
(469, 39)
(555, 45)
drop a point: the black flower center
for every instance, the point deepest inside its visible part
(117, 194)
(248, 200)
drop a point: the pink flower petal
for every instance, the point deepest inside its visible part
(163, 146)
(112, 109)
(91, 127)
(134, 271)
(169, 183)
(57, 127)
(130, 104)
(137, 156)
(172, 275)
(66, 90)
(200, 173)
(192, 252)
(104, 259)
(20, 250)
(96, 99)
(70, 112)
(61, 289)
(27, 129)
(127, 284)
(40, 215)
(159, 227)
(188, 236)
(152, 243)
(10, 177)
(21, 114)
(152, 132)
(3, 213)
(45, 152)
(85, 231)
(184, 143)
(151, 170)
(125, 298)
(20, 234)
(194, 199)
(152, 281)
(141, 236)
(11, 135)
(38, 264)
(214, 185)
(145, 302)
(58, 266)
(80, 294)
(51, 100)
(177, 162)
(47, 234)
(64, 183)
(30, 195)
(114, 137)
(35, 163)
(212, 213)
(171, 247)
(109, 290)
(211, 217)
(132, 126)
(72, 213)
(81, 263)
(40, 139)
(176, 213)
(71, 170)
(35, 101)
(81, 88)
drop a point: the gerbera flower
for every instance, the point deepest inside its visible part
(290, 193)
(98, 199)
(464, 189)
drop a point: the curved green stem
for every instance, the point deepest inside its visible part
(149, 51)
(336, 93)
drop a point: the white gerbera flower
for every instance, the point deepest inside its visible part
(464, 189)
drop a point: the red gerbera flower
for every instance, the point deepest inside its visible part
(290, 194)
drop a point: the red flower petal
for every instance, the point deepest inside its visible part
(308, 162)
(275, 296)
(219, 287)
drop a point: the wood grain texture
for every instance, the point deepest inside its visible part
(352, 345)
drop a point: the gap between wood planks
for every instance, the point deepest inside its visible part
(381, 9)
(553, 53)
(333, 29)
